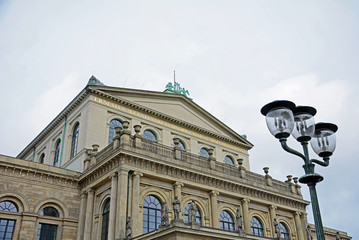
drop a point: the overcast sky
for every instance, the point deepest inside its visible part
(232, 56)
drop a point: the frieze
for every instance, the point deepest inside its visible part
(38, 175)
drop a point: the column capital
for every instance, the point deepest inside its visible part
(245, 200)
(297, 213)
(137, 174)
(113, 175)
(178, 184)
(274, 207)
(122, 171)
(90, 191)
(83, 194)
(214, 193)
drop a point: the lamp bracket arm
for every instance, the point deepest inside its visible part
(324, 163)
(283, 142)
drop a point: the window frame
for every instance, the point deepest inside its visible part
(284, 231)
(146, 212)
(229, 160)
(202, 153)
(255, 230)
(105, 220)
(153, 134)
(112, 130)
(226, 225)
(52, 222)
(75, 140)
(198, 214)
(57, 153)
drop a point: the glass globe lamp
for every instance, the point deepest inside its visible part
(304, 124)
(324, 141)
(279, 118)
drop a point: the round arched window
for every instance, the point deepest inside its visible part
(112, 132)
(229, 160)
(50, 212)
(256, 227)
(204, 152)
(151, 214)
(226, 221)
(284, 233)
(105, 220)
(8, 206)
(149, 135)
(198, 215)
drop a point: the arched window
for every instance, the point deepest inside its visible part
(112, 132)
(226, 221)
(57, 153)
(256, 226)
(204, 152)
(6, 225)
(198, 215)
(8, 206)
(47, 231)
(75, 140)
(182, 146)
(49, 211)
(105, 220)
(151, 213)
(6, 229)
(42, 158)
(229, 160)
(149, 135)
(284, 233)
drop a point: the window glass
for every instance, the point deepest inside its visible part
(149, 135)
(198, 215)
(226, 221)
(256, 227)
(229, 160)
(112, 132)
(57, 153)
(42, 158)
(151, 214)
(8, 206)
(49, 211)
(46, 232)
(6, 229)
(105, 220)
(75, 139)
(204, 152)
(284, 233)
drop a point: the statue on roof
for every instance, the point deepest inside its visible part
(176, 88)
(94, 81)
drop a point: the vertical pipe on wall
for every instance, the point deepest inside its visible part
(62, 141)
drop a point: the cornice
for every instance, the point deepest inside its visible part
(153, 167)
(245, 144)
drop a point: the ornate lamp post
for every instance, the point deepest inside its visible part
(284, 118)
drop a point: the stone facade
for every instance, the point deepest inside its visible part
(100, 192)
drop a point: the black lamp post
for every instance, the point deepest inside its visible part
(284, 118)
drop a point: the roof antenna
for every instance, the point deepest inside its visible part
(174, 77)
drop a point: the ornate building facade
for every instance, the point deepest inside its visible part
(131, 164)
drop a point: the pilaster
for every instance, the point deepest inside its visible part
(135, 213)
(113, 202)
(122, 203)
(246, 220)
(214, 209)
(89, 214)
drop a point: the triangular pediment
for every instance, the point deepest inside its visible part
(175, 106)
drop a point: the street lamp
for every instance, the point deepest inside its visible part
(284, 118)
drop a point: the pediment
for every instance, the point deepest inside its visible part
(176, 106)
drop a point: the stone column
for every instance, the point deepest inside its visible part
(135, 213)
(246, 220)
(298, 224)
(178, 189)
(81, 225)
(214, 209)
(89, 214)
(121, 203)
(273, 215)
(113, 202)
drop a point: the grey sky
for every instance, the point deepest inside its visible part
(232, 56)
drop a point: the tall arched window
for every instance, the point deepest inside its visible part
(284, 233)
(149, 135)
(42, 158)
(151, 214)
(198, 215)
(112, 132)
(57, 153)
(229, 160)
(204, 152)
(256, 227)
(7, 226)
(105, 220)
(226, 221)
(75, 139)
(47, 231)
